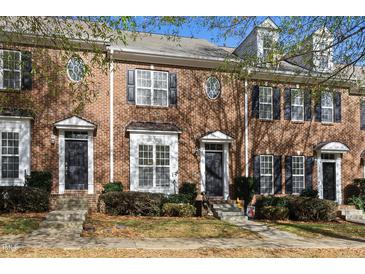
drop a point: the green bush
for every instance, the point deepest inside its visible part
(311, 209)
(312, 193)
(23, 199)
(188, 188)
(113, 186)
(132, 203)
(350, 191)
(272, 200)
(272, 213)
(178, 210)
(361, 184)
(179, 198)
(358, 202)
(40, 179)
(244, 189)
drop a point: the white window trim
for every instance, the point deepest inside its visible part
(269, 49)
(206, 87)
(153, 138)
(296, 105)
(271, 104)
(267, 175)
(328, 107)
(2, 69)
(300, 175)
(154, 166)
(151, 88)
(23, 127)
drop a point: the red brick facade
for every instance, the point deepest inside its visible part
(52, 100)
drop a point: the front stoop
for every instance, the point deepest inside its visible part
(66, 220)
(228, 212)
(351, 214)
(90, 199)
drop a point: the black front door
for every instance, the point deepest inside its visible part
(329, 181)
(214, 173)
(76, 164)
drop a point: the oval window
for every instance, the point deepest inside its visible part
(213, 88)
(75, 69)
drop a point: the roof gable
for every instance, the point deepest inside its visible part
(217, 136)
(74, 122)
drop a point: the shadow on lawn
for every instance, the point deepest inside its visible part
(321, 231)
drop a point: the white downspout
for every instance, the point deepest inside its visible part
(111, 117)
(246, 130)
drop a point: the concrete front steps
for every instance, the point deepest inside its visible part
(351, 214)
(228, 211)
(77, 197)
(66, 220)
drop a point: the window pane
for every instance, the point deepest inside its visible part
(145, 176)
(160, 97)
(266, 174)
(327, 115)
(162, 176)
(297, 113)
(266, 185)
(162, 155)
(143, 96)
(298, 173)
(145, 153)
(144, 79)
(327, 99)
(265, 103)
(160, 80)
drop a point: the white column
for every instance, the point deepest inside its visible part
(61, 162)
(226, 171)
(202, 167)
(338, 179)
(319, 176)
(90, 152)
(111, 118)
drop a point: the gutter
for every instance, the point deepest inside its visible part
(246, 130)
(111, 117)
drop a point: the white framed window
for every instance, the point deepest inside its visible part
(267, 47)
(266, 174)
(10, 155)
(265, 103)
(153, 166)
(298, 174)
(297, 105)
(151, 88)
(327, 107)
(76, 69)
(10, 69)
(213, 88)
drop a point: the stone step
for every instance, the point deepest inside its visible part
(359, 221)
(225, 206)
(66, 203)
(351, 211)
(234, 209)
(66, 232)
(67, 215)
(235, 219)
(60, 224)
(230, 214)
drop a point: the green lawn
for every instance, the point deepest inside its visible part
(18, 223)
(162, 227)
(337, 229)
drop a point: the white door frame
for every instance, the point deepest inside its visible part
(216, 137)
(338, 164)
(75, 123)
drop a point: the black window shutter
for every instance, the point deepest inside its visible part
(277, 174)
(318, 117)
(287, 102)
(307, 105)
(255, 101)
(288, 175)
(276, 104)
(309, 161)
(26, 70)
(362, 114)
(256, 173)
(337, 104)
(172, 89)
(131, 90)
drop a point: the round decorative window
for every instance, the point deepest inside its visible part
(213, 88)
(76, 69)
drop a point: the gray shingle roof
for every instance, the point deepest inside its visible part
(177, 47)
(152, 126)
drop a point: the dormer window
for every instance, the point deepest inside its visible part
(267, 47)
(323, 56)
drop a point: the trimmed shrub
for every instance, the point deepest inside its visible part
(178, 210)
(40, 179)
(179, 199)
(350, 191)
(358, 202)
(23, 199)
(113, 186)
(312, 193)
(311, 209)
(132, 203)
(188, 188)
(244, 189)
(361, 184)
(271, 200)
(272, 213)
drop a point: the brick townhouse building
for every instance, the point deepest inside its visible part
(164, 114)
